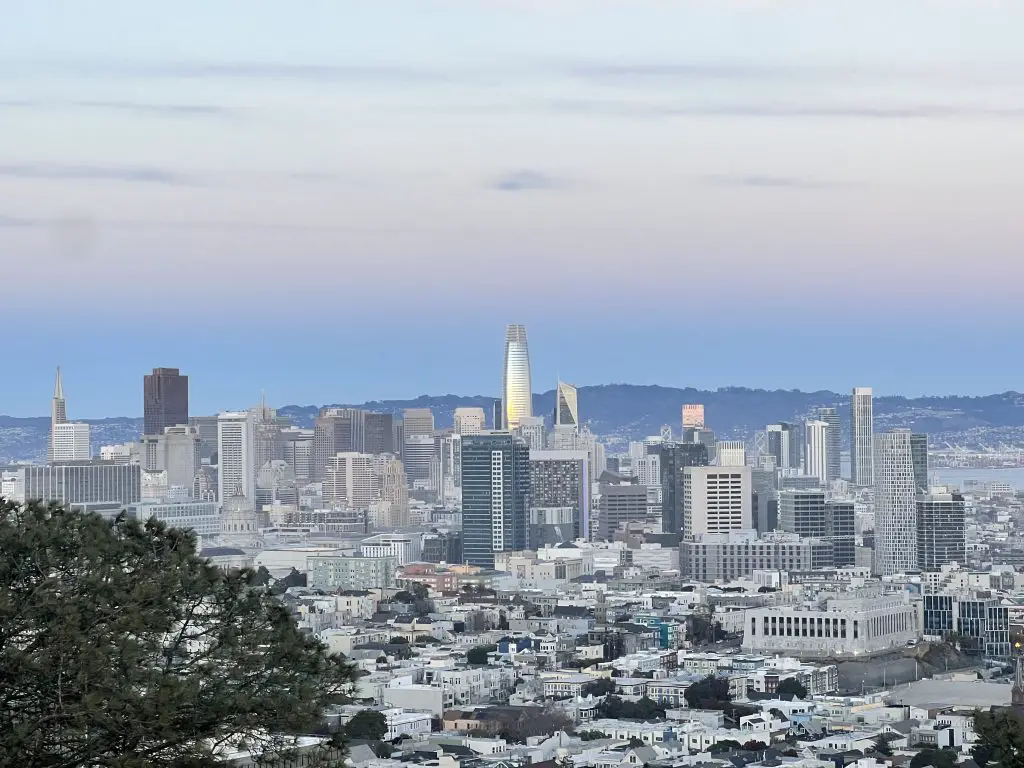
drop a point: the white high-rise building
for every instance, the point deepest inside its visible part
(567, 409)
(816, 442)
(517, 391)
(70, 442)
(350, 480)
(862, 463)
(895, 503)
(731, 453)
(716, 500)
(236, 456)
(470, 421)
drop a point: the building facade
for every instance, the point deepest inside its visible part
(567, 409)
(674, 458)
(236, 456)
(70, 442)
(724, 557)
(941, 530)
(80, 482)
(716, 500)
(839, 628)
(164, 400)
(559, 496)
(495, 496)
(834, 436)
(895, 504)
(862, 444)
(469, 421)
(816, 442)
(516, 389)
(621, 503)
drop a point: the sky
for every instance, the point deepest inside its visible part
(334, 201)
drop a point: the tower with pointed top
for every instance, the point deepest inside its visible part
(567, 410)
(58, 412)
(517, 393)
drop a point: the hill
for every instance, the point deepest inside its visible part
(621, 412)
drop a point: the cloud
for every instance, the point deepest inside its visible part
(610, 108)
(57, 172)
(521, 181)
(763, 181)
(133, 107)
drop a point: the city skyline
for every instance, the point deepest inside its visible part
(804, 148)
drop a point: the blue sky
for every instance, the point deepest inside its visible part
(335, 201)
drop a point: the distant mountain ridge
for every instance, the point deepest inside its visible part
(621, 412)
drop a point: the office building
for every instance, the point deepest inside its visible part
(834, 439)
(941, 530)
(516, 390)
(165, 400)
(559, 496)
(206, 428)
(693, 416)
(58, 413)
(567, 409)
(335, 572)
(378, 433)
(731, 453)
(816, 445)
(716, 500)
(349, 480)
(724, 557)
(623, 501)
(674, 459)
(862, 445)
(297, 452)
(919, 457)
(469, 421)
(442, 547)
(78, 482)
(495, 496)
(980, 620)
(418, 421)
(70, 442)
(392, 507)
(840, 529)
(175, 452)
(783, 445)
(337, 430)
(895, 504)
(420, 452)
(531, 429)
(404, 548)
(497, 415)
(236, 456)
(803, 512)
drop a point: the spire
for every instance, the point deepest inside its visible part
(58, 387)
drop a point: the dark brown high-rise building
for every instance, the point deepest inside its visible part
(165, 400)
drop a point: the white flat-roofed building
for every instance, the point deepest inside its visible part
(842, 627)
(405, 548)
(71, 442)
(201, 517)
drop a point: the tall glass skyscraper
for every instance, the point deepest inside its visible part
(567, 410)
(517, 393)
(495, 496)
(895, 504)
(862, 458)
(834, 440)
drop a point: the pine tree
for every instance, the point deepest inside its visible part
(120, 646)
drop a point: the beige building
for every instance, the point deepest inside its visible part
(716, 500)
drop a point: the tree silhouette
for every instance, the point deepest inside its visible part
(120, 646)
